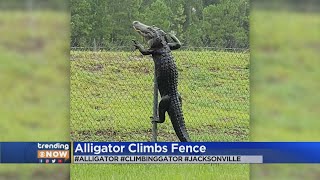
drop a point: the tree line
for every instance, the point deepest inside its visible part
(212, 23)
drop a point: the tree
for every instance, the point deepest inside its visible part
(158, 14)
(177, 18)
(224, 24)
(81, 24)
(121, 14)
(210, 2)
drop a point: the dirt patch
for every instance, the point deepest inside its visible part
(116, 70)
(138, 69)
(214, 69)
(143, 70)
(60, 173)
(268, 49)
(279, 78)
(109, 135)
(238, 132)
(238, 68)
(226, 119)
(314, 46)
(92, 68)
(88, 133)
(27, 46)
(9, 175)
(96, 67)
(39, 173)
(136, 58)
(31, 125)
(164, 134)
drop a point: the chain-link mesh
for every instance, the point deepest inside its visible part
(112, 95)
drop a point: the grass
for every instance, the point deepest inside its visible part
(111, 100)
(34, 87)
(284, 72)
(111, 96)
(284, 75)
(168, 171)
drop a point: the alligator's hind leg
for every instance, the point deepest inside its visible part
(163, 107)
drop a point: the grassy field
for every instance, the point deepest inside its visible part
(33, 82)
(111, 100)
(34, 89)
(111, 96)
(157, 172)
(284, 85)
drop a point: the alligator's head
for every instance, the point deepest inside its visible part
(154, 35)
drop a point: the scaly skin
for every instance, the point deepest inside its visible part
(167, 79)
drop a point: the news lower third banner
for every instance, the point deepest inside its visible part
(196, 152)
(35, 152)
(160, 152)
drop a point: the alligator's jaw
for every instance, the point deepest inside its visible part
(140, 32)
(142, 29)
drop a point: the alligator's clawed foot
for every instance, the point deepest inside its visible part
(157, 120)
(135, 43)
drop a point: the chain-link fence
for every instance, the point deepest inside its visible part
(112, 94)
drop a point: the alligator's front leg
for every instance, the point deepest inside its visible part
(176, 44)
(141, 48)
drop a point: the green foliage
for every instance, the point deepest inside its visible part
(177, 18)
(226, 23)
(215, 23)
(158, 14)
(285, 90)
(120, 16)
(34, 85)
(81, 18)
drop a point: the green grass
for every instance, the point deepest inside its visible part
(33, 82)
(284, 75)
(111, 96)
(34, 88)
(167, 171)
(111, 100)
(284, 85)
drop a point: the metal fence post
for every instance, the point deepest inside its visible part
(155, 108)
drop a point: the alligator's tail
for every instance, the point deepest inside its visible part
(177, 120)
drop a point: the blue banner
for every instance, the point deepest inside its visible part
(272, 152)
(35, 152)
(155, 152)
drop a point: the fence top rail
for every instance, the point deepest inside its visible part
(183, 48)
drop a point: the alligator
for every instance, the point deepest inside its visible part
(166, 74)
